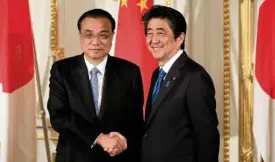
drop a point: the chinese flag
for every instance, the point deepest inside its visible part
(264, 83)
(130, 39)
(17, 88)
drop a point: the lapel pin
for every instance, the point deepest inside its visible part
(167, 83)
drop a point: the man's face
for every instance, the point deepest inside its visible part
(160, 40)
(96, 37)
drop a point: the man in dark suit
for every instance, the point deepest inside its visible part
(95, 101)
(180, 118)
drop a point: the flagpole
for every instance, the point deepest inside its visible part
(42, 110)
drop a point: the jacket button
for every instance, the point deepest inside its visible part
(145, 135)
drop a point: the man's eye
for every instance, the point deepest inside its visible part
(103, 36)
(149, 34)
(88, 35)
(160, 33)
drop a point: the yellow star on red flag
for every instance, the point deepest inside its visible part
(124, 3)
(142, 4)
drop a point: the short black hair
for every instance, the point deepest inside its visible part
(96, 13)
(175, 19)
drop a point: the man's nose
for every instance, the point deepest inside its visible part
(95, 41)
(155, 39)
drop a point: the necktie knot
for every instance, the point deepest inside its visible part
(162, 73)
(95, 71)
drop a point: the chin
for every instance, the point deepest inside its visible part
(157, 56)
(92, 55)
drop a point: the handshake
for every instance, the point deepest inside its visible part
(114, 143)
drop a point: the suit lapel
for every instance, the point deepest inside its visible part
(81, 80)
(109, 84)
(149, 98)
(167, 85)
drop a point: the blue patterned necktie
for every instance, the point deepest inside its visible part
(94, 83)
(161, 75)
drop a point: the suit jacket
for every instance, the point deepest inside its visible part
(73, 116)
(181, 124)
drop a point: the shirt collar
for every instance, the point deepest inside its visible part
(100, 67)
(169, 64)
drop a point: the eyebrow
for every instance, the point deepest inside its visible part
(102, 31)
(161, 29)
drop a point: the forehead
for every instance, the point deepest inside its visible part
(96, 24)
(158, 24)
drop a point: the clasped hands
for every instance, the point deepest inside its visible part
(114, 143)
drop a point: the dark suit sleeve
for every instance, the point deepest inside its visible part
(135, 132)
(202, 108)
(62, 118)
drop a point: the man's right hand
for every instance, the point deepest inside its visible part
(114, 143)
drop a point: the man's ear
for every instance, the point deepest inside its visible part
(112, 35)
(79, 34)
(180, 39)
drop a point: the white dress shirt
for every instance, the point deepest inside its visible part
(100, 75)
(166, 67)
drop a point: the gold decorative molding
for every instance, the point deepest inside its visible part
(41, 137)
(53, 156)
(226, 97)
(246, 81)
(57, 52)
(49, 127)
(52, 134)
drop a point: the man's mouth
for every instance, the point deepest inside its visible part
(156, 48)
(95, 49)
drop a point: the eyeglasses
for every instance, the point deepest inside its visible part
(100, 36)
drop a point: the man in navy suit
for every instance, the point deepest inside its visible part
(95, 101)
(180, 119)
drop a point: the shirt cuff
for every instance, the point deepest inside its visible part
(95, 141)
